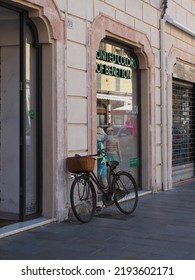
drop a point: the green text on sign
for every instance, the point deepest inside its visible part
(134, 162)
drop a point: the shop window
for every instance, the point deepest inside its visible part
(117, 101)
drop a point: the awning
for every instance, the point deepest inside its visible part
(114, 97)
(124, 108)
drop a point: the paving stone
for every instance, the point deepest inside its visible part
(162, 227)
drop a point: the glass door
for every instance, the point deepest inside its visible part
(9, 114)
(30, 132)
(20, 118)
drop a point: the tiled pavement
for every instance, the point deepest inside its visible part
(162, 227)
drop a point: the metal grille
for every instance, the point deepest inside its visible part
(183, 125)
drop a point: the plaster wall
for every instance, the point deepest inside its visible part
(82, 25)
(141, 16)
(179, 46)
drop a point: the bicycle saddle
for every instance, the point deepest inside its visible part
(113, 163)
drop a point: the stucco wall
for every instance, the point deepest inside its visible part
(80, 16)
(80, 124)
(140, 15)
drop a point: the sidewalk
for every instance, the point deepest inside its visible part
(162, 227)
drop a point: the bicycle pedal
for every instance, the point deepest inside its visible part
(108, 203)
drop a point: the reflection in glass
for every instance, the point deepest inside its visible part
(9, 114)
(31, 123)
(117, 101)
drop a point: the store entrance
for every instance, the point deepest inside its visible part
(20, 137)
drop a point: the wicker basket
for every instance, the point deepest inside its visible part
(81, 164)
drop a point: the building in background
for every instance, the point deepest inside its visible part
(68, 67)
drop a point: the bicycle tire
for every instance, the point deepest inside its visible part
(83, 199)
(125, 192)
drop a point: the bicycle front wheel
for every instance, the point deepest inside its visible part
(83, 198)
(125, 192)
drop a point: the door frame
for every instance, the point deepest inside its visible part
(24, 21)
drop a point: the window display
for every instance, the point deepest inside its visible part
(117, 104)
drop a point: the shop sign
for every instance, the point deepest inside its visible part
(134, 162)
(113, 71)
(123, 63)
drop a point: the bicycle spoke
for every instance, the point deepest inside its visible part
(83, 199)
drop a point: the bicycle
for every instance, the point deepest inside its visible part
(121, 190)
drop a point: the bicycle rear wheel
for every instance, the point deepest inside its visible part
(83, 198)
(125, 192)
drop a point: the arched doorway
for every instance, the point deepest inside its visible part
(20, 116)
(105, 27)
